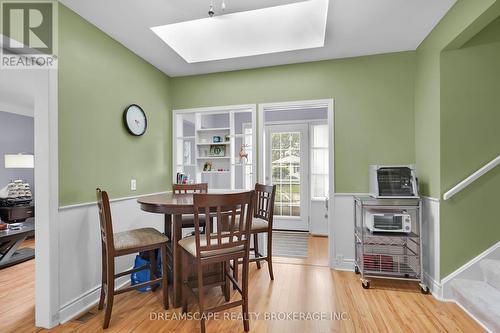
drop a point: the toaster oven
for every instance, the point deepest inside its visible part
(396, 181)
(388, 222)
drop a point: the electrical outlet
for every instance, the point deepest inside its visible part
(340, 259)
(133, 184)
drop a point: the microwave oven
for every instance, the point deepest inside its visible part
(393, 181)
(388, 222)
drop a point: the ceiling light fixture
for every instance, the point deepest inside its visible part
(211, 12)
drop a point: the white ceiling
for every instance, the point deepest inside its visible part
(207, 39)
(354, 28)
(17, 91)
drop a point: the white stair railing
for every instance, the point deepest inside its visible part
(472, 178)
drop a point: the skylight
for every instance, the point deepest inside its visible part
(295, 26)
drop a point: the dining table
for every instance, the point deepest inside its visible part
(173, 206)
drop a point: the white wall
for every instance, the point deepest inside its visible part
(430, 240)
(342, 233)
(80, 250)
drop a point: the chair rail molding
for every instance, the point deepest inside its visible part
(472, 178)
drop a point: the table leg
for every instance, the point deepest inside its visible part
(177, 265)
(168, 226)
(11, 254)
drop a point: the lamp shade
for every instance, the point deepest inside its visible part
(19, 161)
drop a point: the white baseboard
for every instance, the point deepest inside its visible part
(435, 287)
(472, 316)
(346, 265)
(84, 302)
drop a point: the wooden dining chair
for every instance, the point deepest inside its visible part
(124, 243)
(179, 189)
(190, 188)
(230, 240)
(262, 223)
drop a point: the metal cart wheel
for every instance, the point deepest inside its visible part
(365, 284)
(356, 269)
(424, 289)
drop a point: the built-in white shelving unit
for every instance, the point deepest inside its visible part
(207, 145)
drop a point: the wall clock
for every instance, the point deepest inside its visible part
(135, 120)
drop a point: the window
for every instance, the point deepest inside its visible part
(285, 164)
(319, 161)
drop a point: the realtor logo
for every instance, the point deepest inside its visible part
(28, 32)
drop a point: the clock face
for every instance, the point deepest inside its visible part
(135, 120)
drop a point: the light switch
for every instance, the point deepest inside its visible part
(133, 184)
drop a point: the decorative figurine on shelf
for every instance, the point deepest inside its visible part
(243, 153)
(207, 166)
(227, 138)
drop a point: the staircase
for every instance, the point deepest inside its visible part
(481, 297)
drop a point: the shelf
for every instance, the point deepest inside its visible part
(212, 143)
(213, 129)
(185, 137)
(368, 233)
(214, 172)
(213, 158)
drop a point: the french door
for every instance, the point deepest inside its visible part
(287, 168)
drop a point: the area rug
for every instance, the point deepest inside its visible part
(290, 244)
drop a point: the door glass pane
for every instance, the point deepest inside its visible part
(319, 161)
(320, 185)
(285, 172)
(320, 136)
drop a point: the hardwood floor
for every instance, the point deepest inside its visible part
(299, 286)
(17, 295)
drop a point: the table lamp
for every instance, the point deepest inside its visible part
(19, 161)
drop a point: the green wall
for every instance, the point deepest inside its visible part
(455, 124)
(433, 107)
(470, 137)
(98, 78)
(373, 105)
(428, 91)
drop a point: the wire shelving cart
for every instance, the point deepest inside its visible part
(388, 255)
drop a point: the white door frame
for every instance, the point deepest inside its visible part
(293, 105)
(301, 223)
(47, 199)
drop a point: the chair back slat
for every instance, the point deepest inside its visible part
(232, 222)
(189, 188)
(233, 213)
(106, 223)
(264, 207)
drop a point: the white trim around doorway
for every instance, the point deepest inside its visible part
(47, 199)
(294, 105)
